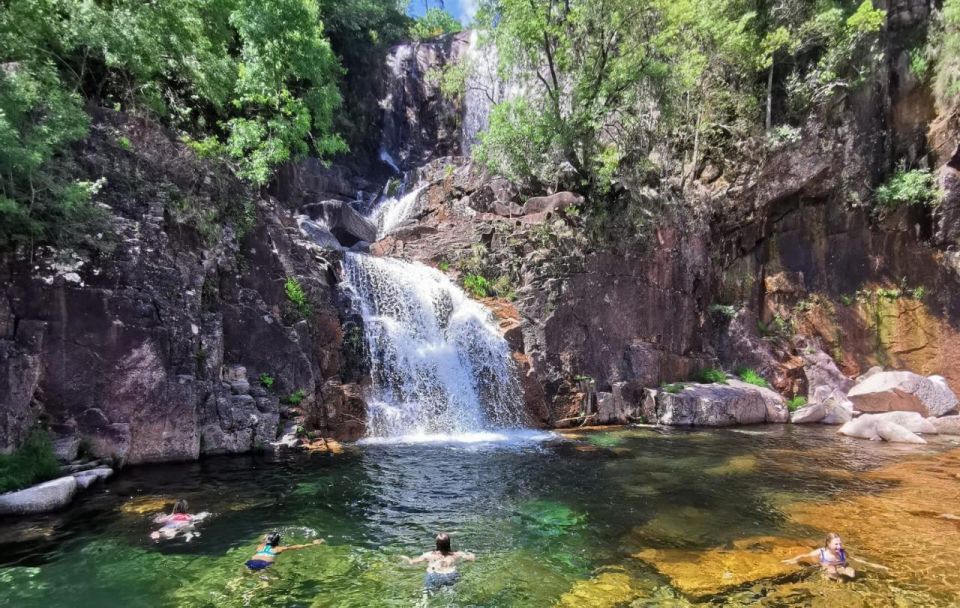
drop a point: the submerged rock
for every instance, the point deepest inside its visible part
(85, 479)
(903, 391)
(48, 496)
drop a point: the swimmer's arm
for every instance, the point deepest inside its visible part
(466, 555)
(416, 560)
(811, 555)
(296, 547)
(866, 563)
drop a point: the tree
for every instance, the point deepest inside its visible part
(435, 22)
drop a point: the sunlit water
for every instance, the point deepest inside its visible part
(552, 520)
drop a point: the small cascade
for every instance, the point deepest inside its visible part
(438, 363)
(393, 211)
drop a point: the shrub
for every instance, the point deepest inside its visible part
(723, 311)
(751, 377)
(916, 187)
(296, 397)
(297, 296)
(266, 380)
(673, 389)
(795, 403)
(711, 375)
(33, 463)
(476, 285)
(435, 22)
(443, 266)
(504, 289)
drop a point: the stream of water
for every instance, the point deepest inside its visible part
(553, 522)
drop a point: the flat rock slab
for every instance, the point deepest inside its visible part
(47, 496)
(85, 479)
(712, 571)
(711, 405)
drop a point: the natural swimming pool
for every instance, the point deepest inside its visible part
(620, 517)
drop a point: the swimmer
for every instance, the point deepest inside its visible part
(832, 558)
(178, 522)
(267, 552)
(441, 563)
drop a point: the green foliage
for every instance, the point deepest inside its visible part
(795, 403)
(916, 187)
(124, 142)
(945, 51)
(435, 22)
(711, 375)
(297, 296)
(723, 311)
(476, 285)
(253, 82)
(32, 463)
(846, 299)
(673, 389)
(266, 381)
(778, 327)
(503, 287)
(296, 397)
(443, 266)
(751, 377)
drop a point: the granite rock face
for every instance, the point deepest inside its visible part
(903, 391)
(711, 405)
(132, 350)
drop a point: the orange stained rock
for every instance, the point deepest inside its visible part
(909, 528)
(606, 590)
(146, 504)
(715, 570)
(324, 445)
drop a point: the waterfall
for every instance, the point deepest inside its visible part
(439, 365)
(393, 211)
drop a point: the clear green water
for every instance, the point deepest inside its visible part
(540, 517)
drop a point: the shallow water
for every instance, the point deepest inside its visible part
(553, 521)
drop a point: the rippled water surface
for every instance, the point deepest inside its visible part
(603, 518)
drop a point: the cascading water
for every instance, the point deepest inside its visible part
(438, 363)
(393, 211)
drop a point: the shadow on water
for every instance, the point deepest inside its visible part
(551, 521)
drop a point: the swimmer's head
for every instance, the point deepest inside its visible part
(273, 539)
(833, 542)
(443, 543)
(181, 506)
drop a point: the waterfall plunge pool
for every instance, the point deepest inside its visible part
(621, 517)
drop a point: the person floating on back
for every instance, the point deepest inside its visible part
(268, 551)
(441, 563)
(178, 522)
(832, 558)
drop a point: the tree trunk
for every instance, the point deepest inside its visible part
(769, 96)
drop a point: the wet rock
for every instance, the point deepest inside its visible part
(903, 391)
(319, 235)
(41, 498)
(235, 423)
(343, 221)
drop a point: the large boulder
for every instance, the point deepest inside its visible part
(946, 425)
(903, 391)
(809, 414)
(343, 221)
(711, 405)
(869, 426)
(48, 496)
(821, 371)
(775, 405)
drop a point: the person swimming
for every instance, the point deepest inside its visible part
(180, 521)
(832, 558)
(268, 551)
(441, 563)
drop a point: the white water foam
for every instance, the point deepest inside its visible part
(393, 211)
(438, 362)
(505, 437)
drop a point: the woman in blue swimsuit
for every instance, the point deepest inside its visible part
(267, 552)
(832, 558)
